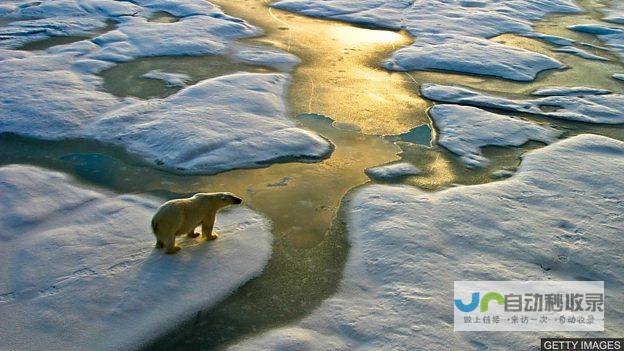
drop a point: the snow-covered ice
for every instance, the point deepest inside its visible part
(449, 35)
(257, 55)
(464, 130)
(580, 53)
(607, 109)
(202, 29)
(392, 171)
(569, 91)
(79, 268)
(223, 123)
(613, 36)
(170, 79)
(552, 39)
(234, 121)
(559, 217)
(619, 76)
(135, 37)
(615, 13)
(21, 32)
(457, 53)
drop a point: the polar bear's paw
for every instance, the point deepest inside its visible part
(173, 250)
(213, 236)
(193, 234)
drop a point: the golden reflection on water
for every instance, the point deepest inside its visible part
(340, 74)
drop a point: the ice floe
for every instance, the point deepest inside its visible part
(136, 37)
(464, 130)
(170, 79)
(235, 121)
(202, 29)
(559, 217)
(20, 33)
(392, 171)
(222, 123)
(613, 36)
(580, 53)
(80, 270)
(569, 91)
(449, 35)
(458, 53)
(552, 39)
(607, 109)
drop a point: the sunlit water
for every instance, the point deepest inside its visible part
(376, 117)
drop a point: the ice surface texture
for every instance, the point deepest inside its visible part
(464, 130)
(80, 271)
(449, 35)
(560, 217)
(392, 171)
(223, 123)
(218, 124)
(593, 107)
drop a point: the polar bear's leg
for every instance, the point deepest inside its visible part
(207, 226)
(159, 244)
(170, 246)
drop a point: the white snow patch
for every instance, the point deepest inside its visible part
(552, 39)
(619, 76)
(562, 211)
(196, 35)
(21, 32)
(257, 55)
(170, 79)
(392, 171)
(235, 121)
(613, 36)
(464, 54)
(569, 91)
(502, 173)
(608, 109)
(227, 122)
(580, 53)
(80, 270)
(464, 130)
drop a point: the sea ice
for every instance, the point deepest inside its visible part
(457, 53)
(559, 217)
(614, 37)
(392, 171)
(218, 124)
(464, 130)
(235, 121)
(607, 109)
(449, 35)
(580, 53)
(170, 79)
(569, 91)
(80, 270)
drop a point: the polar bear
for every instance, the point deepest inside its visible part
(182, 216)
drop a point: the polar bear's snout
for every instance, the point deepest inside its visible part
(237, 200)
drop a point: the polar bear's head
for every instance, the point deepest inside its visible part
(219, 200)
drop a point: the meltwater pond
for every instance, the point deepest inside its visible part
(372, 117)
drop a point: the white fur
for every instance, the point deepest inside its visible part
(182, 216)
